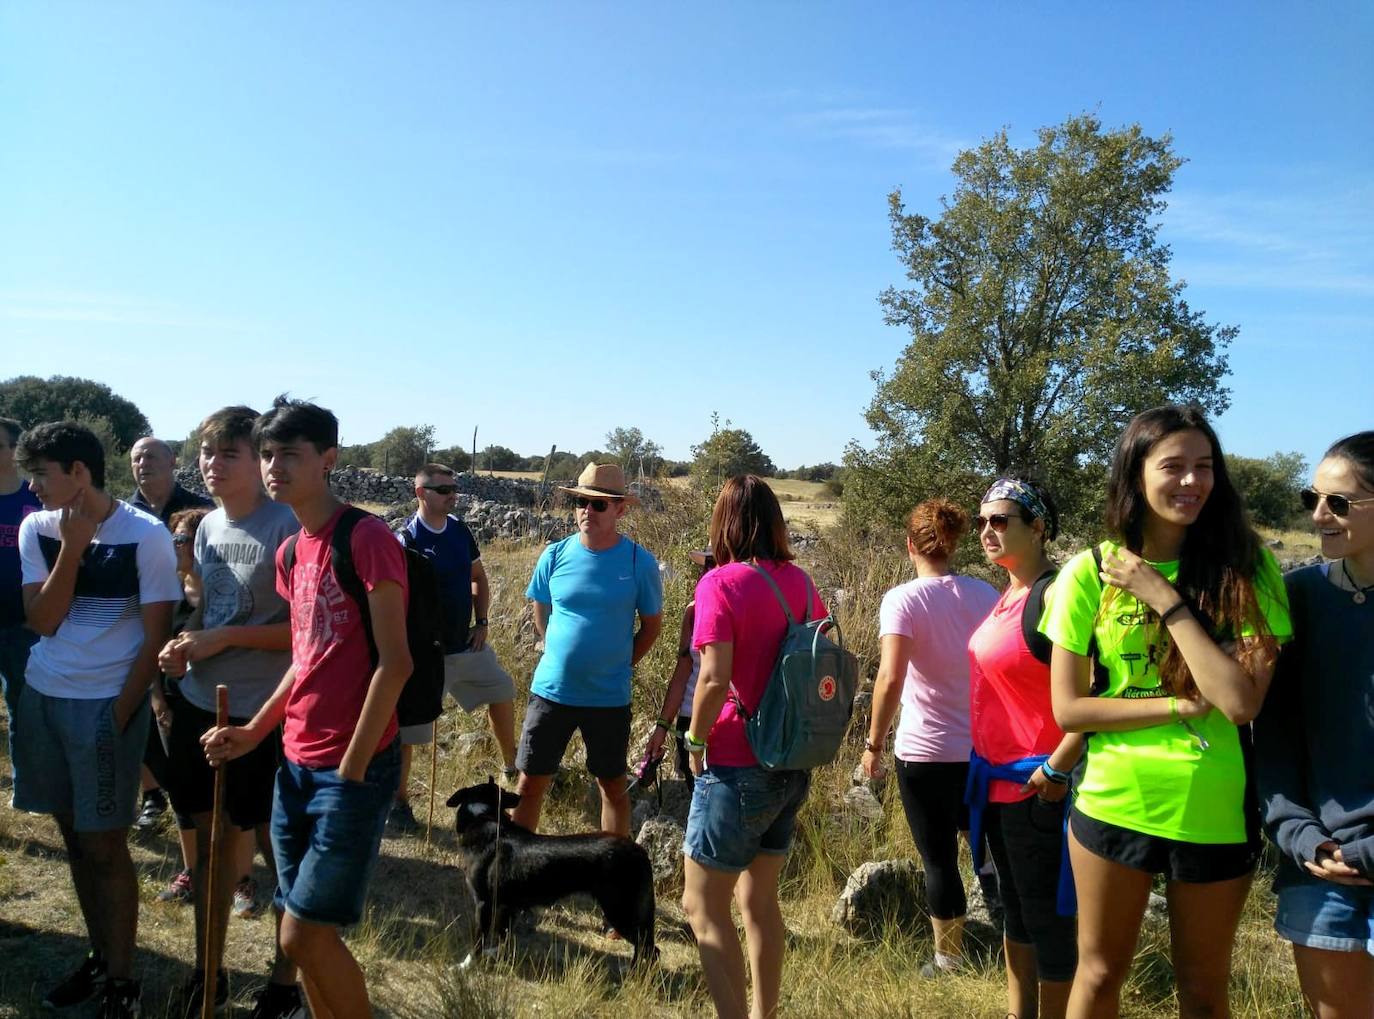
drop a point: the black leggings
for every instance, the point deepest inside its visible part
(933, 798)
(1026, 840)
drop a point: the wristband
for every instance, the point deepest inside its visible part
(1178, 607)
(684, 652)
(481, 620)
(662, 723)
(873, 748)
(1173, 710)
(1057, 777)
(694, 745)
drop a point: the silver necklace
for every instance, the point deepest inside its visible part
(1359, 596)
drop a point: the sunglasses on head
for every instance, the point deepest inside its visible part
(441, 489)
(600, 505)
(998, 521)
(1337, 504)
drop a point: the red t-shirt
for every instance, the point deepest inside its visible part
(735, 605)
(1009, 693)
(328, 643)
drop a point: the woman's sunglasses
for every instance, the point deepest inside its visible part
(600, 505)
(998, 521)
(1337, 504)
(181, 539)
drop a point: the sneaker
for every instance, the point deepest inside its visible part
(122, 1000)
(280, 1001)
(245, 904)
(932, 969)
(81, 985)
(179, 890)
(401, 818)
(187, 999)
(154, 806)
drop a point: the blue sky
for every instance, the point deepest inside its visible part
(549, 220)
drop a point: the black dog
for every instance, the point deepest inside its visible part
(510, 868)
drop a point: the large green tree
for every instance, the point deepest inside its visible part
(32, 401)
(1042, 316)
(632, 450)
(727, 452)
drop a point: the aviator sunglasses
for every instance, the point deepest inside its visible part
(1337, 504)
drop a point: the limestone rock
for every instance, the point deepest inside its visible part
(880, 893)
(661, 838)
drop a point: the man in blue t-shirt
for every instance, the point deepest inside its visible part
(472, 674)
(587, 590)
(16, 502)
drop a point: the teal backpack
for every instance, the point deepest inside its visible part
(805, 710)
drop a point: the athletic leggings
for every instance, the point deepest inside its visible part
(933, 798)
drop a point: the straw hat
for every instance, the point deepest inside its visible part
(602, 481)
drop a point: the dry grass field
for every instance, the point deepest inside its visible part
(418, 923)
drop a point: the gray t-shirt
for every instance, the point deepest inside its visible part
(237, 563)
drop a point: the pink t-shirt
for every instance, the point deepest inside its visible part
(735, 606)
(938, 614)
(328, 642)
(1010, 690)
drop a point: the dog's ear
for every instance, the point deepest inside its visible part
(509, 799)
(456, 798)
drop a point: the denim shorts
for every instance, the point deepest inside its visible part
(1323, 914)
(69, 759)
(739, 812)
(326, 833)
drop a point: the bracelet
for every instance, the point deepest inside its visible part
(481, 620)
(684, 652)
(1179, 606)
(662, 723)
(1057, 777)
(873, 748)
(694, 745)
(1173, 709)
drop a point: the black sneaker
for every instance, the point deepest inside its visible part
(154, 806)
(121, 1001)
(280, 1001)
(401, 818)
(186, 1000)
(80, 986)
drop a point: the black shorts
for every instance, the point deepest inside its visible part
(549, 725)
(1193, 862)
(249, 781)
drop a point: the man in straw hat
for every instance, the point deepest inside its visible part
(587, 590)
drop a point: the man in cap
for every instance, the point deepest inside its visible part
(587, 591)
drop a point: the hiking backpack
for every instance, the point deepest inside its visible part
(806, 706)
(422, 697)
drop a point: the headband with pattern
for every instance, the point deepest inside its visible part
(1019, 493)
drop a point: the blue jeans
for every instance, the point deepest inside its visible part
(1323, 914)
(326, 833)
(739, 812)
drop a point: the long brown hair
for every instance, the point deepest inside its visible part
(747, 523)
(1221, 552)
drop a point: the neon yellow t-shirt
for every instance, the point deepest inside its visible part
(1157, 780)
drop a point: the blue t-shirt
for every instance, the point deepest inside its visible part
(13, 509)
(590, 636)
(452, 551)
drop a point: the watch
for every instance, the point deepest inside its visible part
(481, 620)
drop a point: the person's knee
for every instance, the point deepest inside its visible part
(301, 941)
(103, 851)
(614, 791)
(1099, 974)
(1201, 994)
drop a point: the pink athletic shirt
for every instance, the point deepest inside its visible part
(735, 605)
(939, 614)
(328, 643)
(1010, 688)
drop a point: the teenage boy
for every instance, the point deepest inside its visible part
(472, 674)
(16, 502)
(587, 590)
(243, 642)
(340, 756)
(99, 585)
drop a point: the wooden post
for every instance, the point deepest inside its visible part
(211, 938)
(433, 773)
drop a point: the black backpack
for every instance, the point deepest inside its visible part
(1041, 646)
(422, 698)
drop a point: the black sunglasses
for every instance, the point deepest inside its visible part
(181, 539)
(600, 505)
(440, 489)
(1337, 504)
(998, 521)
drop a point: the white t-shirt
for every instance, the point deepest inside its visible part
(939, 614)
(129, 563)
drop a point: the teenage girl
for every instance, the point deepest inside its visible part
(1186, 612)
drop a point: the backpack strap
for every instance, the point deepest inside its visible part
(782, 600)
(341, 561)
(1031, 612)
(1101, 678)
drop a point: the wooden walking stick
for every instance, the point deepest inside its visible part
(433, 771)
(207, 986)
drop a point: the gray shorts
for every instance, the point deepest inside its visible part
(550, 725)
(68, 759)
(473, 679)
